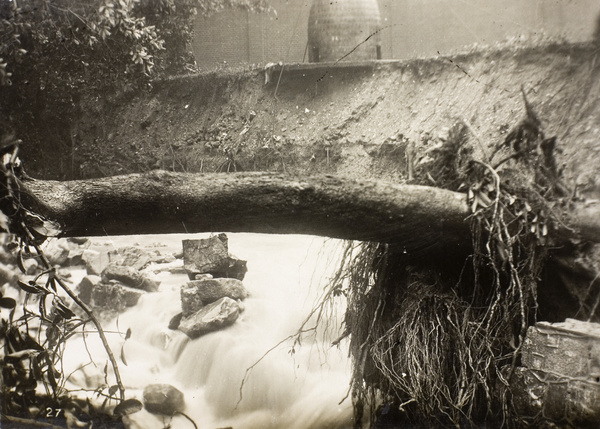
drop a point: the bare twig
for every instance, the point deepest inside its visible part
(251, 367)
(187, 417)
(91, 316)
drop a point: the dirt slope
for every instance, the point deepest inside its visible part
(350, 119)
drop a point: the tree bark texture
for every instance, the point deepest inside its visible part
(161, 202)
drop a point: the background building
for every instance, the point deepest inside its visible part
(410, 28)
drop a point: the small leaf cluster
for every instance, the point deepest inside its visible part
(34, 342)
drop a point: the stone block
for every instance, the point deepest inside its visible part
(211, 256)
(163, 399)
(205, 255)
(114, 296)
(570, 348)
(130, 277)
(556, 397)
(94, 261)
(86, 286)
(138, 258)
(198, 293)
(212, 317)
(560, 380)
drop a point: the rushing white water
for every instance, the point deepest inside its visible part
(299, 389)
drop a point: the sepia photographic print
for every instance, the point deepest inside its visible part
(299, 214)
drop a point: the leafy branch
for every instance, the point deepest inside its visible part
(58, 322)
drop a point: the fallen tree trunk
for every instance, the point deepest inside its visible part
(161, 202)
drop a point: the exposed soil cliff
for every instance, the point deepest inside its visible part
(346, 119)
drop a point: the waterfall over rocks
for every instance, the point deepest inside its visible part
(236, 376)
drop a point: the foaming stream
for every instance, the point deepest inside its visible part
(281, 389)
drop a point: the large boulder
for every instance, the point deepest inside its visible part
(95, 262)
(130, 277)
(86, 286)
(138, 258)
(205, 255)
(114, 296)
(211, 256)
(57, 252)
(163, 399)
(109, 297)
(559, 379)
(198, 293)
(190, 300)
(570, 348)
(212, 317)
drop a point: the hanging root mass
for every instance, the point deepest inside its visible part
(437, 338)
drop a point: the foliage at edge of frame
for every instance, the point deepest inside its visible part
(34, 335)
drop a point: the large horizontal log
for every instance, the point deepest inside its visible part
(163, 202)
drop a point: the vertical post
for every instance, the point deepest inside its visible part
(248, 37)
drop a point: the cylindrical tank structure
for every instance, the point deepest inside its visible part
(343, 30)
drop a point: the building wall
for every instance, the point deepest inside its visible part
(239, 37)
(411, 28)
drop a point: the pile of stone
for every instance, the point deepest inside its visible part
(212, 299)
(96, 261)
(60, 253)
(115, 279)
(116, 289)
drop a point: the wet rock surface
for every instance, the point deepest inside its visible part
(198, 293)
(211, 256)
(129, 276)
(213, 317)
(138, 258)
(163, 399)
(212, 300)
(115, 279)
(94, 261)
(107, 297)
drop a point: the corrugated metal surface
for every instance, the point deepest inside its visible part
(346, 30)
